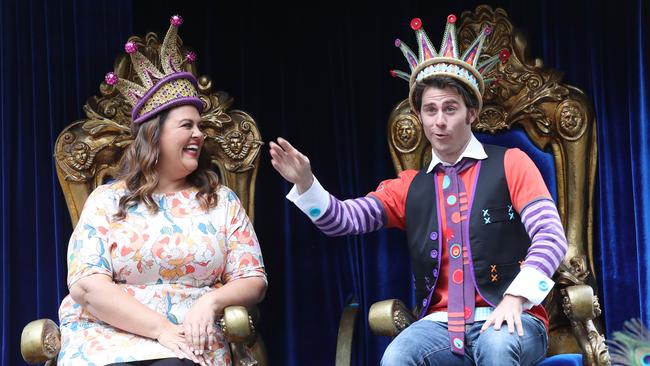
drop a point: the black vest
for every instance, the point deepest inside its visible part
(498, 240)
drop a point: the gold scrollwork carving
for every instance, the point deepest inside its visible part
(78, 147)
(601, 356)
(406, 134)
(596, 305)
(491, 119)
(80, 157)
(52, 343)
(574, 272)
(566, 305)
(571, 119)
(400, 320)
(474, 21)
(75, 158)
(238, 143)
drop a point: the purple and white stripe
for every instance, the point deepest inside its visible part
(353, 216)
(549, 244)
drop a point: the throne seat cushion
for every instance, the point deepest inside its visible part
(569, 359)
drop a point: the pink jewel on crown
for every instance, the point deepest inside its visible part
(190, 56)
(111, 78)
(130, 47)
(176, 20)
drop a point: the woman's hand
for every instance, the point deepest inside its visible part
(173, 337)
(291, 164)
(198, 326)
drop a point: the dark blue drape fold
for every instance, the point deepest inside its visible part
(316, 74)
(53, 54)
(620, 88)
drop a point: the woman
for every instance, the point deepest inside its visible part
(158, 254)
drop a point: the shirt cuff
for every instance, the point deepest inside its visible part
(313, 202)
(531, 284)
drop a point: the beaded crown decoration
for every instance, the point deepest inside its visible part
(448, 61)
(158, 90)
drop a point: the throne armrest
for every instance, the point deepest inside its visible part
(389, 317)
(581, 307)
(579, 303)
(41, 339)
(237, 325)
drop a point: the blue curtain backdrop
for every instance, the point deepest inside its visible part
(52, 54)
(317, 75)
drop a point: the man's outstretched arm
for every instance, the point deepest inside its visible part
(331, 215)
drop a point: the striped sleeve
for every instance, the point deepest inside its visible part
(547, 249)
(383, 207)
(335, 217)
(532, 200)
(548, 242)
(539, 216)
(353, 216)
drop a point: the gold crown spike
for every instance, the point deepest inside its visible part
(158, 89)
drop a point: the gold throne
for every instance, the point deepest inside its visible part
(557, 118)
(88, 153)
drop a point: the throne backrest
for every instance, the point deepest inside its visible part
(88, 152)
(559, 122)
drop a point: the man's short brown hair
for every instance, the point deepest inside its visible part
(442, 82)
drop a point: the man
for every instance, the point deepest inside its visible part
(484, 235)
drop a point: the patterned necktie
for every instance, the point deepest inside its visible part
(461, 286)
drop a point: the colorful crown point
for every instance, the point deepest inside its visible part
(416, 24)
(398, 42)
(487, 31)
(504, 55)
(176, 20)
(111, 78)
(190, 56)
(130, 47)
(451, 18)
(393, 74)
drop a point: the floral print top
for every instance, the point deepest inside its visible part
(165, 260)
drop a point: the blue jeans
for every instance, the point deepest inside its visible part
(426, 342)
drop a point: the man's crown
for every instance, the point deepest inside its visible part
(448, 62)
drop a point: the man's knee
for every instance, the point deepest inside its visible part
(498, 342)
(499, 347)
